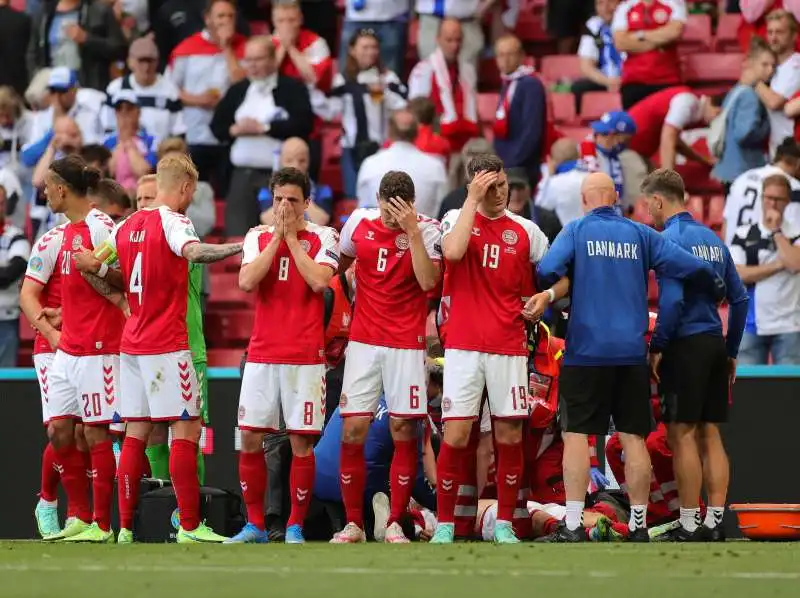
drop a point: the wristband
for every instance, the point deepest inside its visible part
(551, 295)
(103, 270)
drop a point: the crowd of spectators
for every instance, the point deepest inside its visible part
(245, 87)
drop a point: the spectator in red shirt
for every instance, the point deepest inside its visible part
(451, 85)
(302, 54)
(428, 140)
(648, 30)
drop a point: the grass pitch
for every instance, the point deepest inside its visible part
(732, 570)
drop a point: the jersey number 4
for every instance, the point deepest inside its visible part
(135, 287)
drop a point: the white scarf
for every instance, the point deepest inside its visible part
(512, 80)
(468, 80)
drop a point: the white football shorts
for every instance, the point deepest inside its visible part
(84, 387)
(159, 387)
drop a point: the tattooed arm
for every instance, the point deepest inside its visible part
(205, 253)
(107, 290)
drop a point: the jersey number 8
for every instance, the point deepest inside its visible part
(283, 268)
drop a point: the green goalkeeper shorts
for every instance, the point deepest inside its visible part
(202, 382)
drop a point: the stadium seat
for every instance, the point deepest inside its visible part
(576, 133)
(219, 215)
(26, 332)
(225, 290)
(710, 67)
(229, 328)
(716, 208)
(259, 28)
(531, 27)
(224, 357)
(597, 103)
(727, 40)
(563, 107)
(556, 68)
(341, 212)
(230, 264)
(488, 75)
(696, 34)
(640, 213)
(487, 107)
(696, 207)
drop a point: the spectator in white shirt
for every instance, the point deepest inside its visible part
(601, 62)
(781, 37)
(560, 190)
(14, 253)
(363, 96)
(428, 173)
(159, 98)
(388, 19)
(767, 257)
(15, 131)
(468, 12)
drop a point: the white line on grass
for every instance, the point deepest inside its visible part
(267, 570)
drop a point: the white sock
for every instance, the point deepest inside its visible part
(49, 503)
(638, 517)
(690, 519)
(714, 516)
(574, 518)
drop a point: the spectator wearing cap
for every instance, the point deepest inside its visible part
(521, 117)
(767, 258)
(66, 98)
(560, 190)
(363, 96)
(15, 35)
(133, 150)
(80, 35)
(428, 173)
(455, 199)
(254, 116)
(661, 117)
(295, 154)
(468, 13)
(601, 153)
(601, 62)
(451, 84)
(388, 19)
(648, 32)
(203, 67)
(14, 253)
(159, 98)
(746, 118)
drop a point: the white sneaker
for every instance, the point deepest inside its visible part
(394, 535)
(351, 534)
(381, 508)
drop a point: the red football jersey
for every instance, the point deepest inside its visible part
(390, 306)
(91, 325)
(655, 67)
(149, 247)
(484, 291)
(677, 106)
(290, 317)
(43, 269)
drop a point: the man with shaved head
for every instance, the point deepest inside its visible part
(607, 258)
(560, 190)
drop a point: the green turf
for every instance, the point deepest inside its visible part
(733, 570)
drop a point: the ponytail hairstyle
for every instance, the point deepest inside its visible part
(76, 174)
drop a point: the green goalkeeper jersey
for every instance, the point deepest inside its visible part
(194, 313)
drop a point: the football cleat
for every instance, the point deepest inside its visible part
(712, 534)
(564, 535)
(394, 534)
(72, 527)
(47, 519)
(639, 535)
(660, 533)
(380, 506)
(250, 534)
(125, 536)
(294, 535)
(504, 533)
(445, 534)
(351, 534)
(93, 534)
(202, 535)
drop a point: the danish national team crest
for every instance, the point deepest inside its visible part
(242, 412)
(446, 404)
(510, 237)
(402, 242)
(77, 242)
(660, 16)
(343, 401)
(305, 245)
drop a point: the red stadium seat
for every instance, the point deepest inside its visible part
(696, 207)
(727, 33)
(696, 35)
(224, 357)
(576, 133)
(230, 328)
(26, 332)
(640, 213)
(531, 27)
(563, 107)
(487, 107)
(556, 68)
(716, 208)
(225, 290)
(219, 215)
(341, 212)
(596, 103)
(708, 67)
(259, 28)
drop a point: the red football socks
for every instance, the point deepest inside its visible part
(104, 468)
(129, 475)
(509, 475)
(253, 480)
(448, 470)
(75, 482)
(50, 474)
(402, 476)
(301, 482)
(353, 478)
(183, 471)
